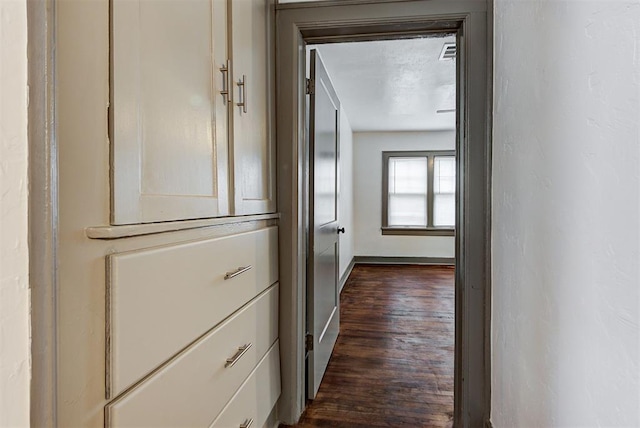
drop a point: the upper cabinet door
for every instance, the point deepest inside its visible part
(253, 141)
(169, 119)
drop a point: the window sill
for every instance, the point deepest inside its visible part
(418, 231)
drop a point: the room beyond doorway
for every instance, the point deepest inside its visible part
(382, 169)
(397, 144)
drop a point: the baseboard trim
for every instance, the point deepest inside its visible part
(443, 261)
(343, 279)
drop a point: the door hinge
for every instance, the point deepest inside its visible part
(309, 343)
(311, 86)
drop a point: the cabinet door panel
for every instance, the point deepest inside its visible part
(169, 120)
(253, 140)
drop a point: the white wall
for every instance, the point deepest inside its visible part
(345, 202)
(367, 151)
(566, 218)
(15, 370)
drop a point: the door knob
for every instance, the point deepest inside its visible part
(341, 230)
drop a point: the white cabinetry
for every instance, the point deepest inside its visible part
(152, 303)
(190, 120)
(186, 321)
(203, 374)
(174, 155)
(163, 299)
(253, 159)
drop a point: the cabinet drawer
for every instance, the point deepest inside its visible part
(192, 389)
(256, 397)
(162, 299)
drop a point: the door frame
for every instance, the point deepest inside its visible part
(43, 210)
(348, 20)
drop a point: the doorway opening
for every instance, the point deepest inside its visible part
(382, 189)
(301, 25)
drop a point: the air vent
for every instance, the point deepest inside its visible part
(448, 52)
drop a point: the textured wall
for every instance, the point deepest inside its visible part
(566, 217)
(345, 215)
(367, 182)
(14, 284)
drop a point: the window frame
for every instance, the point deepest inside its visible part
(430, 229)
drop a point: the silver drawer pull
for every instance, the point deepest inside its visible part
(246, 424)
(237, 272)
(241, 351)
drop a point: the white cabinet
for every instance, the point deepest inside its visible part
(193, 320)
(202, 374)
(147, 320)
(169, 125)
(174, 154)
(253, 142)
(254, 400)
(164, 298)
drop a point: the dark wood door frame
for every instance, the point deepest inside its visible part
(349, 20)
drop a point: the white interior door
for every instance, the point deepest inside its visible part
(323, 314)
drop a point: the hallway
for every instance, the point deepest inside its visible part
(393, 362)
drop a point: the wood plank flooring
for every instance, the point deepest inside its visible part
(393, 362)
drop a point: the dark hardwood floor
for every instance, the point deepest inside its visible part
(393, 363)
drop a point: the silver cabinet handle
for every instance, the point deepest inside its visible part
(242, 93)
(237, 272)
(226, 95)
(241, 351)
(246, 424)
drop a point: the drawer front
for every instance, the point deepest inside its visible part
(255, 399)
(163, 299)
(192, 389)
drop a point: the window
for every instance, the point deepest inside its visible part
(419, 193)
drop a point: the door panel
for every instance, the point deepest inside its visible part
(253, 141)
(324, 272)
(323, 314)
(325, 177)
(169, 121)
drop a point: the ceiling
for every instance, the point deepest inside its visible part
(393, 85)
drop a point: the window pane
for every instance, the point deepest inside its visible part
(407, 210)
(408, 175)
(444, 209)
(444, 189)
(407, 203)
(444, 174)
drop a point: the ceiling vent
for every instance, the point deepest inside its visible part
(448, 52)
